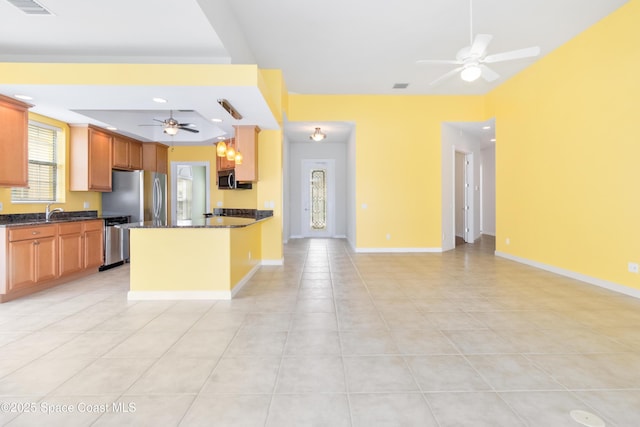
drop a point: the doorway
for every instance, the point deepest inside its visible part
(189, 191)
(463, 198)
(318, 198)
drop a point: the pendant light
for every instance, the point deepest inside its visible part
(231, 153)
(221, 149)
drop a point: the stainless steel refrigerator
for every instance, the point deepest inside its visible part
(141, 195)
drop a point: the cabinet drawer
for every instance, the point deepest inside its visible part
(70, 228)
(93, 225)
(26, 233)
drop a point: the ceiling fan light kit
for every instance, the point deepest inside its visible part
(471, 60)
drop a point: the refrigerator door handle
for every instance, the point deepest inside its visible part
(158, 196)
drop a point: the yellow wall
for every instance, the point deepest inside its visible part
(69, 200)
(567, 154)
(398, 160)
(245, 251)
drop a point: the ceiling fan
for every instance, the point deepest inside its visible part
(171, 126)
(471, 60)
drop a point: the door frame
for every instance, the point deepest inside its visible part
(174, 184)
(305, 195)
(469, 217)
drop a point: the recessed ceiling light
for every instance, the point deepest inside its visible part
(24, 97)
(493, 140)
(486, 127)
(112, 128)
(222, 137)
(216, 120)
(160, 100)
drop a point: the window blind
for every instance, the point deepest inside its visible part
(42, 166)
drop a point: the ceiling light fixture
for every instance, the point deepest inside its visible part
(317, 135)
(170, 130)
(24, 97)
(160, 100)
(471, 73)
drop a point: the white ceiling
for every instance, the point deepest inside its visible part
(336, 47)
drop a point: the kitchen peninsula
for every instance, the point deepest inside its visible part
(210, 259)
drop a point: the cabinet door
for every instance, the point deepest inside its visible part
(93, 247)
(22, 264)
(46, 259)
(99, 161)
(135, 155)
(71, 253)
(120, 153)
(13, 144)
(163, 158)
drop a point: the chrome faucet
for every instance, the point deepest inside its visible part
(48, 212)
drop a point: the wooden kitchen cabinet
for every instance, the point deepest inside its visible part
(32, 256)
(93, 238)
(14, 160)
(127, 153)
(246, 141)
(91, 158)
(155, 157)
(70, 247)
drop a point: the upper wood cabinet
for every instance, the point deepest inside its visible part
(155, 157)
(14, 160)
(245, 141)
(127, 153)
(91, 157)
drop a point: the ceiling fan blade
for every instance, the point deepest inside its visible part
(438, 61)
(161, 121)
(446, 76)
(513, 54)
(488, 74)
(480, 43)
(189, 129)
(149, 125)
(186, 124)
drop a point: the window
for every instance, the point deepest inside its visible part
(43, 166)
(318, 199)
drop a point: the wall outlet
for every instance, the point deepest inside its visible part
(249, 254)
(219, 204)
(272, 204)
(633, 267)
(1, 206)
(507, 241)
(388, 236)
(86, 205)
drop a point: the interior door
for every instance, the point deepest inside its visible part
(318, 198)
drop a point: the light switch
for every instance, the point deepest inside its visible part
(1, 206)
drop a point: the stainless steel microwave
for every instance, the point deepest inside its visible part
(227, 181)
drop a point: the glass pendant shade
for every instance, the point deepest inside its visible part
(238, 158)
(231, 154)
(221, 149)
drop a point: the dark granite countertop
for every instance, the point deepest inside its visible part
(220, 218)
(18, 220)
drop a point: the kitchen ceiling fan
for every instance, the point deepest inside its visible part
(471, 60)
(171, 126)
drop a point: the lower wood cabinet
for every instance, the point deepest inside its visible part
(36, 257)
(32, 256)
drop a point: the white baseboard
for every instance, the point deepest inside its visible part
(178, 295)
(192, 295)
(269, 262)
(397, 250)
(573, 275)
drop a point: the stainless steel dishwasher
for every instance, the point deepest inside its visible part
(116, 242)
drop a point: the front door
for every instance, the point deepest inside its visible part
(318, 198)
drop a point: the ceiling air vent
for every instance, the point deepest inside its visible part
(229, 109)
(30, 7)
(400, 85)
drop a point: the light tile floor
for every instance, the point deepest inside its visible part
(331, 338)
